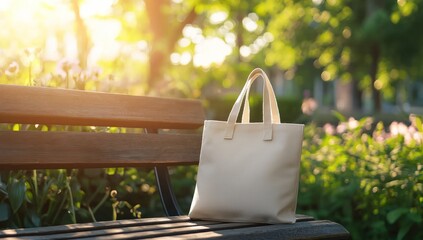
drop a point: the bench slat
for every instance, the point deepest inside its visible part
(117, 227)
(20, 104)
(318, 229)
(122, 232)
(32, 149)
(196, 228)
(81, 227)
(180, 229)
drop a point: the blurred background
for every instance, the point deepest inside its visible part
(354, 56)
(351, 70)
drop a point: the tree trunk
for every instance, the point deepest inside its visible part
(83, 39)
(239, 33)
(344, 98)
(372, 6)
(357, 95)
(375, 56)
(165, 35)
(158, 27)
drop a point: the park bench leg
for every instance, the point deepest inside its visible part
(169, 202)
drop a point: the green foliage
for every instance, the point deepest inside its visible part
(289, 108)
(52, 197)
(342, 39)
(16, 192)
(369, 181)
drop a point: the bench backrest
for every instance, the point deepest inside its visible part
(70, 149)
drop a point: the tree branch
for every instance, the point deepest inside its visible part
(177, 33)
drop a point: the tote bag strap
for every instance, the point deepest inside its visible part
(267, 105)
(272, 98)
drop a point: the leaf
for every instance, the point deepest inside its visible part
(16, 190)
(394, 215)
(16, 127)
(3, 189)
(35, 219)
(419, 124)
(32, 219)
(66, 218)
(415, 217)
(403, 231)
(339, 116)
(4, 211)
(83, 213)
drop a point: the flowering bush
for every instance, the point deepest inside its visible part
(369, 180)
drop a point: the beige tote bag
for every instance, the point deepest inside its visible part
(249, 172)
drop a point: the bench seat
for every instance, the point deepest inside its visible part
(181, 227)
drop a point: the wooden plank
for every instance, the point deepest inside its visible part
(91, 228)
(22, 104)
(319, 229)
(205, 230)
(160, 230)
(121, 232)
(196, 228)
(36, 150)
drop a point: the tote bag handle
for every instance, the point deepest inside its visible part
(272, 98)
(270, 109)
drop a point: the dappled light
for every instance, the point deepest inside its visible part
(351, 71)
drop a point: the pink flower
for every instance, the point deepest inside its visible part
(329, 129)
(341, 128)
(352, 123)
(308, 106)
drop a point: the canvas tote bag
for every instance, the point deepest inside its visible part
(249, 172)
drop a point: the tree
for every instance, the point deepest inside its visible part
(167, 21)
(347, 40)
(165, 33)
(83, 39)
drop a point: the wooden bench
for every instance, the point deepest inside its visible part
(156, 148)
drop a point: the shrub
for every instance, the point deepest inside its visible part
(53, 197)
(369, 181)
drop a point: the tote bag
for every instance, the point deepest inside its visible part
(249, 172)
